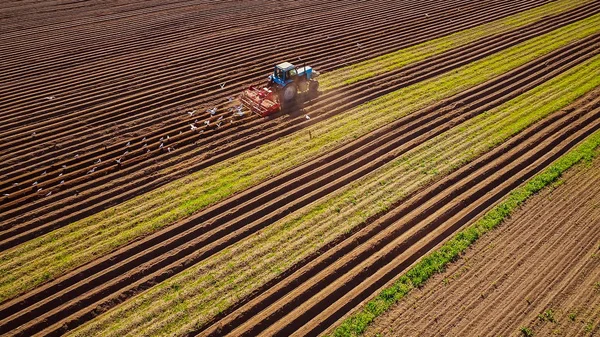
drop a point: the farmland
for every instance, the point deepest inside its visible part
(118, 219)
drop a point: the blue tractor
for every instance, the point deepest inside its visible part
(286, 84)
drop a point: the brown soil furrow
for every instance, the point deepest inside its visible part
(89, 46)
(310, 318)
(56, 180)
(183, 251)
(214, 71)
(65, 149)
(544, 276)
(232, 43)
(510, 245)
(98, 119)
(343, 285)
(534, 281)
(550, 271)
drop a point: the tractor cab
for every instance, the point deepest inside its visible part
(283, 74)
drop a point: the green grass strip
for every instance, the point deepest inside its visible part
(36, 261)
(195, 295)
(436, 261)
(398, 59)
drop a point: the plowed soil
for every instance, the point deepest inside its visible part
(84, 86)
(87, 104)
(546, 257)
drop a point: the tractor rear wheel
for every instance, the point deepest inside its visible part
(289, 92)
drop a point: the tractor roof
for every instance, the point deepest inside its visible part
(285, 65)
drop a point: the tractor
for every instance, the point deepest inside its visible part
(287, 85)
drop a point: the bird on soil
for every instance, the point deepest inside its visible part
(307, 117)
(212, 111)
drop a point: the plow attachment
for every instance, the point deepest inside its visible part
(262, 101)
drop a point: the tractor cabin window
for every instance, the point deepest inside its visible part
(278, 73)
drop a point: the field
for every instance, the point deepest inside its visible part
(539, 271)
(117, 218)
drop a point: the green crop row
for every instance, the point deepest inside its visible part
(396, 60)
(436, 261)
(46, 257)
(192, 297)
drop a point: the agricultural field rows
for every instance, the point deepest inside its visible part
(83, 193)
(555, 235)
(117, 218)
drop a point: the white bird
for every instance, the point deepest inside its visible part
(62, 182)
(193, 127)
(128, 143)
(161, 145)
(92, 170)
(98, 161)
(49, 193)
(147, 150)
(126, 152)
(219, 124)
(33, 134)
(76, 156)
(44, 173)
(39, 189)
(144, 139)
(60, 175)
(201, 132)
(161, 139)
(118, 161)
(358, 45)
(145, 145)
(206, 122)
(426, 15)
(34, 183)
(196, 121)
(169, 149)
(16, 184)
(64, 166)
(220, 118)
(6, 194)
(212, 111)
(191, 113)
(50, 98)
(222, 85)
(307, 117)
(229, 99)
(168, 137)
(180, 132)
